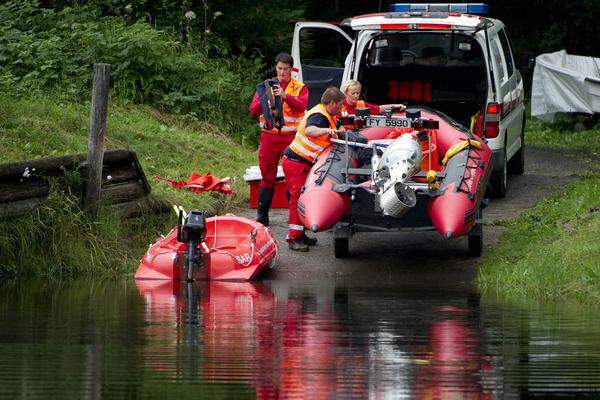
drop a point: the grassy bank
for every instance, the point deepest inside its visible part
(57, 239)
(552, 252)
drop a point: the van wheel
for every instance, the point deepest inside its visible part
(499, 180)
(341, 247)
(516, 165)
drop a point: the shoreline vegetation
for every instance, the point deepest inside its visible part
(57, 239)
(551, 252)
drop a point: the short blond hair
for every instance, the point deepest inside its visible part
(346, 85)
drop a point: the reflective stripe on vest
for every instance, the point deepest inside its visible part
(309, 147)
(359, 103)
(291, 117)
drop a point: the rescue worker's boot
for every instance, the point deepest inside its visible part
(297, 245)
(308, 240)
(265, 196)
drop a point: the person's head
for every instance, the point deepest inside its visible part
(283, 66)
(332, 99)
(351, 90)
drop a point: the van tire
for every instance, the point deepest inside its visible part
(475, 245)
(516, 165)
(498, 180)
(341, 247)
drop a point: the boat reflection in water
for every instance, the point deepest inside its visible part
(315, 342)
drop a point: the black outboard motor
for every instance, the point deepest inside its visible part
(192, 231)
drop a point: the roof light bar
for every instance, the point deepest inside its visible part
(467, 8)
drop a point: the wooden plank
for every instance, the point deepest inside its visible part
(13, 191)
(57, 165)
(20, 207)
(95, 153)
(142, 176)
(122, 192)
(121, 174)
(145, 205)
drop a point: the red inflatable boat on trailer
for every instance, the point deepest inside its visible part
(217, 248)
(416, 169)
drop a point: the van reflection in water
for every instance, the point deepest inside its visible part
(317, 343)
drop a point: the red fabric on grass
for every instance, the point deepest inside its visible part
(200, 183)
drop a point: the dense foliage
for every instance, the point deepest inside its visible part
(204, 56)
(44, 49)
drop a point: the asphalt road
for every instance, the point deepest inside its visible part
(421, 259)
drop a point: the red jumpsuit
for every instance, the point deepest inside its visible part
(297, 163)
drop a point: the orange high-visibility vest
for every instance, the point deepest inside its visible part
(309, 147)
(359, 103)
(291, 117)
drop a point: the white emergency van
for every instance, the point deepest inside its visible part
(449, 57)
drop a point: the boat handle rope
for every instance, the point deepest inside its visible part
(252, 246)
(458, 147)
(333, 156)
(463, 182)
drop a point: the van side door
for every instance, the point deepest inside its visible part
(320, 53)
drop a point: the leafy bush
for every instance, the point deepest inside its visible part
(47, 50)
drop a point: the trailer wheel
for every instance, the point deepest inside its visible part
(475, 245)
(341, 247)
(475, 236)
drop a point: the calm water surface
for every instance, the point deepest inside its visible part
(122, 339)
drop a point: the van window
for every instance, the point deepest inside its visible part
(498, 62)
(446, 71)
(318, 47)
(507, 52)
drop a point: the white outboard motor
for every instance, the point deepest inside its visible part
(399, 162)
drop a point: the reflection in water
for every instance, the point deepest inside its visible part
(303, 346)
(84, 339)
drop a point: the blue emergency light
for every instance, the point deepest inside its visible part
(465, 8)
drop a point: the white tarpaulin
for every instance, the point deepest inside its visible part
(565, 83)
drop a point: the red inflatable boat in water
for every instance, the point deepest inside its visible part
(216, 248)
(416, 169)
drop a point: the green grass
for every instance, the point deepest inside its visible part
(551, 252)
(57, 239)
(561, 134)
(167, 145)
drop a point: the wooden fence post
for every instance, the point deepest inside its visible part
(95, 152)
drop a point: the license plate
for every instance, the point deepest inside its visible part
(388, 122)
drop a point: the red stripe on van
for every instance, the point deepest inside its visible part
(434, 26)
(394, 26)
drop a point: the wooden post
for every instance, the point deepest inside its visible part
(96, 138)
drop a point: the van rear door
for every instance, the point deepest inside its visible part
(320, 53)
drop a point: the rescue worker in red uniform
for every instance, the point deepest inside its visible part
(314, 134)
(273, 142)
(351, 90)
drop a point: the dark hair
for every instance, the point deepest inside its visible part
(332, 95)
(284, 58)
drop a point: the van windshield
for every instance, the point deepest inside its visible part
(442, 70)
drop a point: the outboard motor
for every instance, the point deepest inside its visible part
(192, 231)
(399, 162)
